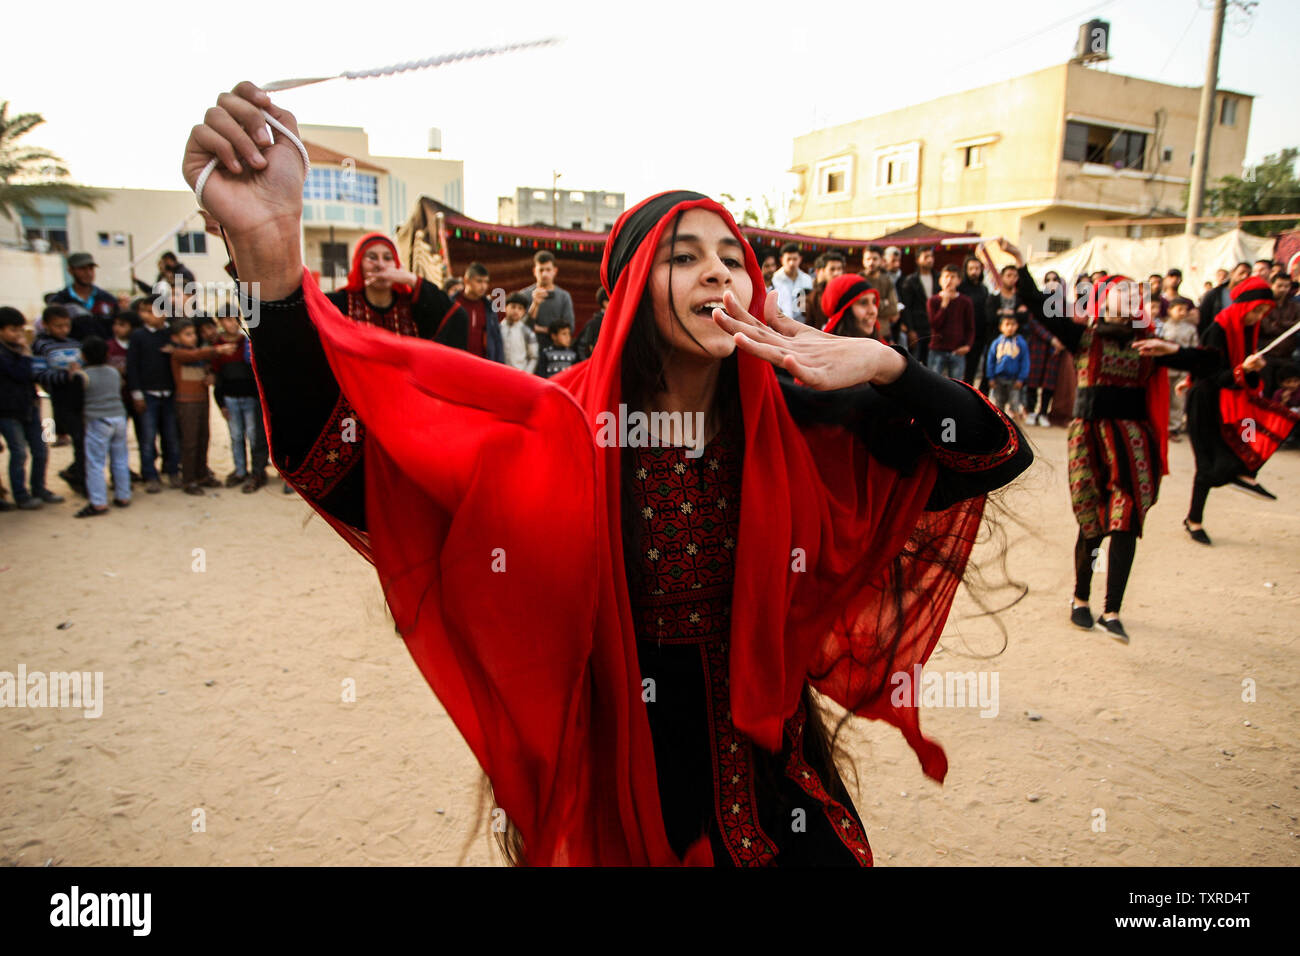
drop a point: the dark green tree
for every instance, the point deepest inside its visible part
(1269, 189)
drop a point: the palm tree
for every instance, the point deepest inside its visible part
(29, 173)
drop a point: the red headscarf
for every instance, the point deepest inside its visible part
(1156, 378)
(356, 281)
(840, 294)
(1251, 425)
(524, 629)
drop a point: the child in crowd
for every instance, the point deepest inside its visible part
(236, 395)
(149, 379)
(20, 418)
(519, 340)
(559, 355)
(1007, 367)
(1179, 328)
(105, 428)
(190, 373)
(56, 356)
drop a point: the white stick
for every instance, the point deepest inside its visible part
(1284, 335)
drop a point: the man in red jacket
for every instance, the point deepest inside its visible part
(952, 326)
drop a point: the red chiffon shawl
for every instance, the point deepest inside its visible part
(519, 616)
(1252, 426)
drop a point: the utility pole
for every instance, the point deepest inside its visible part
(555, 199)
(1205, 121)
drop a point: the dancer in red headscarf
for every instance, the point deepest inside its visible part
(1233, 428)
(1118, 439)
(697, 590)
(381, 293)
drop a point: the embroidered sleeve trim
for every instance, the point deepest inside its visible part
(336, 451)
(963, 461)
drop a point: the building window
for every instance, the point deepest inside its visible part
(539, 195)
(576, 197)
(341, 185)
(1228, 111)
(974, 158)
(1055, 245)
(896, 168)
(610, 200)
(119, 238)
(1105, 145)
(1167, 154)
(103, 238)
(192, 243)
(334, 259)
(833, 178)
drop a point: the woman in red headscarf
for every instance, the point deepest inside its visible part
(1233, 428)
(1119, 437)
(381, 293)
(852, 307)
(698, 583)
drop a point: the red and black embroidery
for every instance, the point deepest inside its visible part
(689, 520)
(398, 318)
(336, 450)
(844, 823)
(962, 461)
(733, 768)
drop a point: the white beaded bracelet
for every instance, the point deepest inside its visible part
(274, 123)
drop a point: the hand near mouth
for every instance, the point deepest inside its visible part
(818, 360)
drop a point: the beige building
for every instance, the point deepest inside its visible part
(1031, 159)
(351, 192)
(348, 193)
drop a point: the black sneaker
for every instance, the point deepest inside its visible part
(1116, 629)
(1255, 489)
(1081, 617)
(1199, 535)
(50, 498)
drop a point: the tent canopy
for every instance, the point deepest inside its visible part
(1138, 258)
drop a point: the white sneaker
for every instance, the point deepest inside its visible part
(1043, 420)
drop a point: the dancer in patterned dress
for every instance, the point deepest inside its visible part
(811, 538)
(1118, 438)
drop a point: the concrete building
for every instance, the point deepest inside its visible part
(1031, 159)
(348, 193)
(351, 192)
(588, 210)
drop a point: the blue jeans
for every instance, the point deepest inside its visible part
(245, 423)
(946, 363)
(158, 420)
(20, 436)
(106, 443)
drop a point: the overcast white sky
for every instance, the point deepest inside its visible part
(639, 97)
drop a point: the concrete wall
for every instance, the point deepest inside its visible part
(25, 277)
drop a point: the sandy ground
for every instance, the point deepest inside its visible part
(224, 697)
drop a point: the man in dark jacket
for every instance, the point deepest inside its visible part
(913, 294)
(972, 287)
(1219, 298)
(92, 309)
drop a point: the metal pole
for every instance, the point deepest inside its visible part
(1205, 121)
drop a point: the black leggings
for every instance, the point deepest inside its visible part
(1196, 510)
(1031, 400)
(1123, 545)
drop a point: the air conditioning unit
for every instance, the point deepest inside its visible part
(1094, 42)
